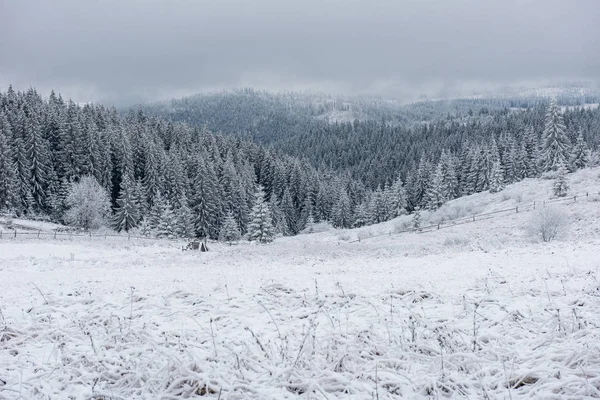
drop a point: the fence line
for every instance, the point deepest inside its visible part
(58, 235)
(479, 217)
(428, 228)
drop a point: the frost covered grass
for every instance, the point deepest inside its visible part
(471, 311)
(492, 341)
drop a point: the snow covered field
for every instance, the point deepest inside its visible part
(474, 311)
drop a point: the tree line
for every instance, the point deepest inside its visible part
(175, 179)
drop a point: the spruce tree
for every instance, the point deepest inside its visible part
(167, 224)
(398, 200)
(556, 146)
(8, 183)
(277, 218)
(561, 183)
(230, 231)
(497, 178)
(289, 212)
(260, 228)
(532, 150)
(579, 155)
(416, 220)
(184, 220)
(436, 193)
(361, 217)
(126, 214)
(342, 217)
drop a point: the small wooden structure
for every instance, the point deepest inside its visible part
(196, 245)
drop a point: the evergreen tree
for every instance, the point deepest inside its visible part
(289, 213)
(184, 220)
(436, 193)
(127, 212)
(555, 150)
(416, 220)
(398, 199)
(166, 223)
(497, 178)
(342, 217)
(561, 183)
(260, 228)
(229, 230)
(361, 217)
(205, 203)
(277, 218)
(532, 147)
(579, 156)
(8, 183)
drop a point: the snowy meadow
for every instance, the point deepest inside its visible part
(480, 310)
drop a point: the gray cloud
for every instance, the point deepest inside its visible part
(121, 51)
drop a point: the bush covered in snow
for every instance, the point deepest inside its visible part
(547, 223)
(88, 203)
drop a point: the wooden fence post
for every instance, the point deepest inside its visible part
(575, 199)
(534, 205)
(517, 208)
(39, 231)
(54, 234)
(15, 233)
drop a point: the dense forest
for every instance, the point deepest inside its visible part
(165, 178)
(377, 141)
(196, 172)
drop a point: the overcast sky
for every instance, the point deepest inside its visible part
(124, 51)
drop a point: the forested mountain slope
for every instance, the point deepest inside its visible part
(171, 178)
(385, 140)
(175, 179)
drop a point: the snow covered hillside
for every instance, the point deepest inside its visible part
(478, 310)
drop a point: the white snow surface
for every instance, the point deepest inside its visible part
(479, 310)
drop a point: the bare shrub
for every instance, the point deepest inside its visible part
(547, 223)
(402, 226)
(364, 234)
(456, 241)
(344, 237)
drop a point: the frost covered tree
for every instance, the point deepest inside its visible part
(561, 183)
(8, 183)
(361, 216)
(342, 212)
(579, 154)
(88, 204)
(497, 178)
(436, 194)
(230, 232)
(184, 224)
(398, 200)
(416, 220)
(260, 228)
(556, 146)
(127, 212)
(165, 222)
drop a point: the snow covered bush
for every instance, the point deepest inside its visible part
(88, 204)
(456, 241)
(561, 184)
(547, 223)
